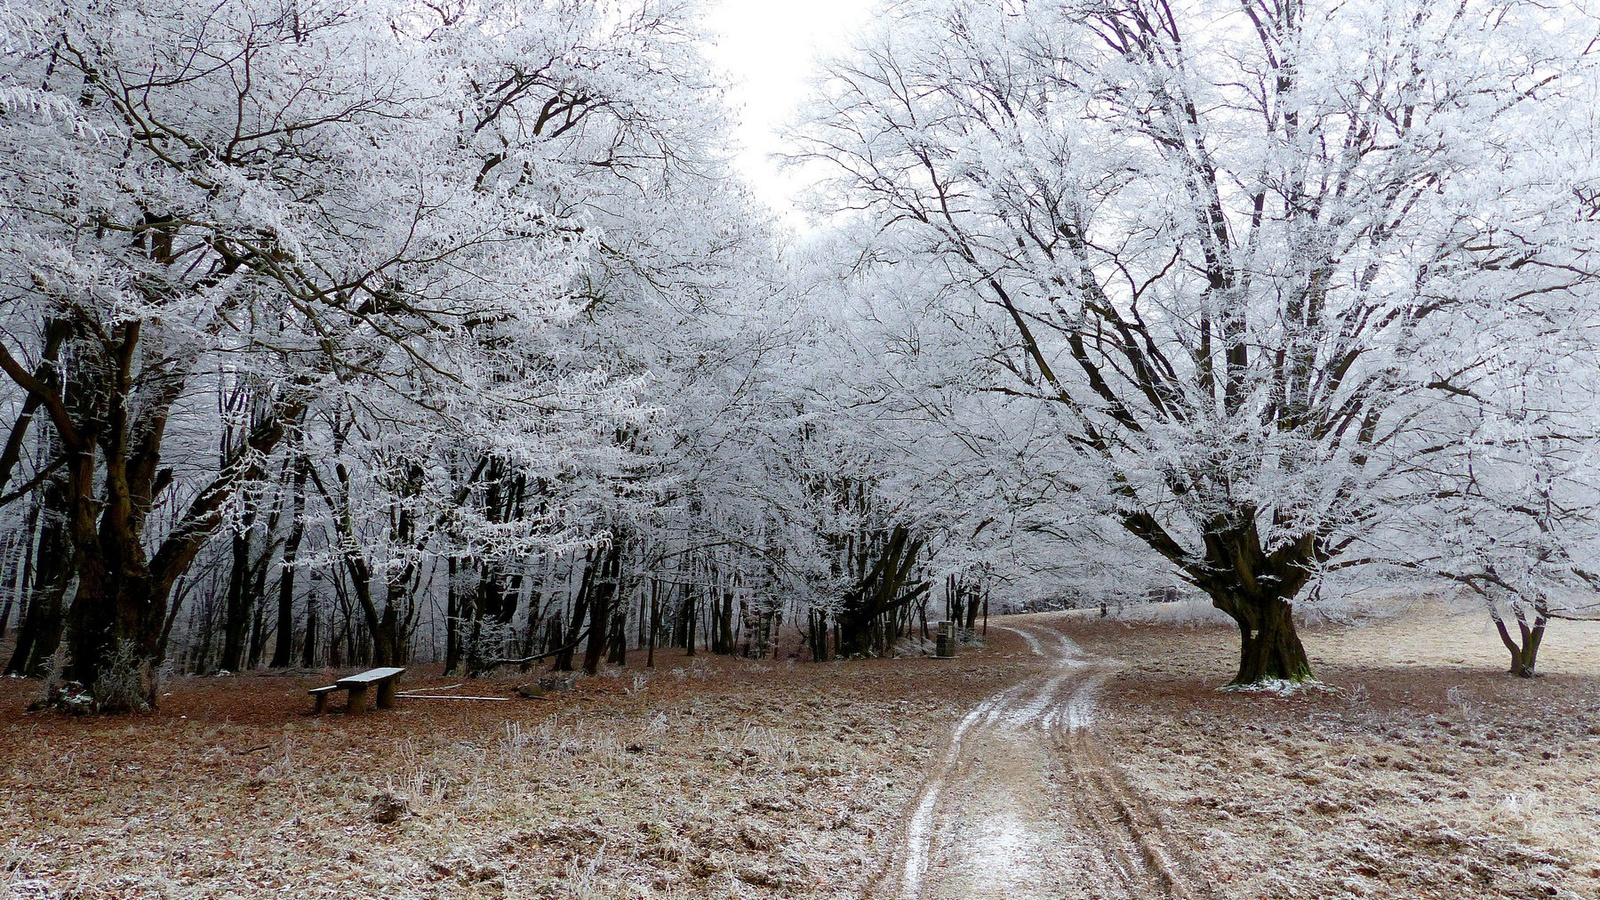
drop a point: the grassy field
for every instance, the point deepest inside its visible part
(1425, 772)
(1422, 772)
(704, 777)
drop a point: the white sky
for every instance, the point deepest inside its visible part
(770, 48)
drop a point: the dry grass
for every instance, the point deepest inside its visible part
(703, 778)
(1424, 773)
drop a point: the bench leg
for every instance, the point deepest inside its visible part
(322, 704)
(386, 689)
(358, 700)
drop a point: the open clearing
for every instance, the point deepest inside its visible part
(1076, 756)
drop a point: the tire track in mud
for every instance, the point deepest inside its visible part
(1024, 803)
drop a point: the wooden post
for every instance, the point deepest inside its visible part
(358, 700)
(386, 691)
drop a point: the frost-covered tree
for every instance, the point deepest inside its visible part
(357, 209)
(1503, 498)
(1220, 242)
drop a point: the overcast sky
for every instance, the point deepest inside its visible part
(770, 48)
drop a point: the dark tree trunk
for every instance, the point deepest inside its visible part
(283, 647)
(123, 591)
(881, 565)
(617, 643)
(655, 623)
(691, 622)
(536, 599)
(1269, 647)
(43, 619)
(579, 613)
(603, 595)
(308, 649)
(683, 619)
(1524, 653)
(388, 643)
(20, 571)
(722, 622)
(452, 620)
(1255, 588)
(260, 631)
(817, 633)
(240, 604)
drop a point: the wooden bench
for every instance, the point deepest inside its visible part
(386, 679)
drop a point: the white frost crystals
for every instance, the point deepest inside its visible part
(379, 251)
(1217, 269)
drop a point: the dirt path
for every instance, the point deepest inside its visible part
(1024, 805)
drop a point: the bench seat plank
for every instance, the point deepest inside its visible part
(385, 678)
(321, 693)
(371, 675)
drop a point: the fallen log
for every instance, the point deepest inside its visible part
(491, 665)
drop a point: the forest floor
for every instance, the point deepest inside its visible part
(1075, 756)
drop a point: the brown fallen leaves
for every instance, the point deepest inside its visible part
(1417, 778)
(702, 777)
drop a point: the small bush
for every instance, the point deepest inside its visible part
(128, 682)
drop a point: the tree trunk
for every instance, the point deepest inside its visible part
(19, 572)
(308, 649)
(688, 623)
(603, 594)
(617, 644)
(880, 566)
(1254, 588)
(119, 611)
(579, 613)
(388, 648)
(1269, 648)
(43, 619)
(452, 620)
(120, 607)
(655, 623)
(722, 621)
(1524, 654)
(283, 649)
(240, 604)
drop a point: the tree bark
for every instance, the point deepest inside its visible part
(1524, 654)
(1269, 647)
(240, 604)
(283, 648)
(603, 593)
(43, 618)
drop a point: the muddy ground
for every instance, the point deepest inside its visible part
(1424, 772)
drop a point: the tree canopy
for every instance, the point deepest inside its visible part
(378, 330)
